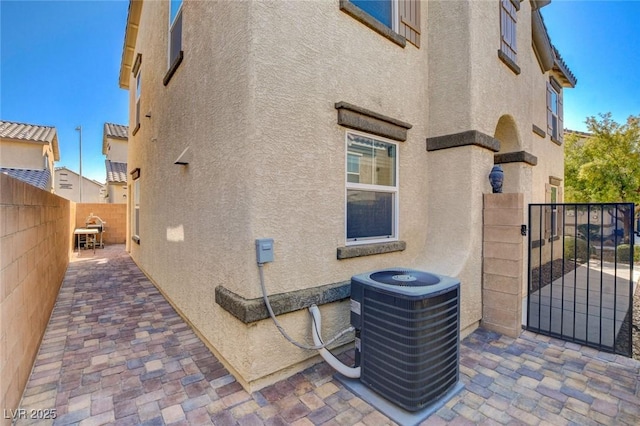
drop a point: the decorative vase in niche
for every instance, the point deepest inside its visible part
(496, 177)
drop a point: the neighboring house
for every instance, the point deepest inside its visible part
(357, 138)
(28, 152)
(68, 186)
(114, 147)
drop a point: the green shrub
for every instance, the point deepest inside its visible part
(624, 253)
(577, 249)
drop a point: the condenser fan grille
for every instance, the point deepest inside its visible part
(405, 278)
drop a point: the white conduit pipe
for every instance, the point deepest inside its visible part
(351, 372)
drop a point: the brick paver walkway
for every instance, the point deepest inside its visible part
(115, 352)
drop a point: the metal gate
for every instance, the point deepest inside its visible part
(581, 278)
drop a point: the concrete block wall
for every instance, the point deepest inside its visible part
(503, 263)
(35, 245)
(114, 214)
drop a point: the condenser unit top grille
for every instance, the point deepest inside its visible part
(405, 278)
(408, 282)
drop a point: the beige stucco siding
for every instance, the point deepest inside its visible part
(117, 149)
(24, 155)
(254, 101)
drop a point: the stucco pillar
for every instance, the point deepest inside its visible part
(503, 260)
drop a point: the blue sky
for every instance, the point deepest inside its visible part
(60, 63)
(600, 42)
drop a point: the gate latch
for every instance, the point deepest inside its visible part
(523, 230)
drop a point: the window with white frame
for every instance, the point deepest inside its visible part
(175, 31)
(508, 34)
(554, 111)
(372, 189)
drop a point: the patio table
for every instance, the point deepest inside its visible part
(86, 232)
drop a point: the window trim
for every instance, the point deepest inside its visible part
(508, 51)
(395, 190)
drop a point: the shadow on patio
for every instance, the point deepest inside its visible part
(116, 352)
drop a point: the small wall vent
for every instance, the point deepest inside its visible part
(407, 334)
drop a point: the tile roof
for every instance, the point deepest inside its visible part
(31, 133)
(116, 172)
(560, 66)
(113, 131)
(37, 178)
(116, 131)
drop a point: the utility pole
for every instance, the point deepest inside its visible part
(79, 128)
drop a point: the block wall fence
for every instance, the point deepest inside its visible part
(114, 214)
(36, 233)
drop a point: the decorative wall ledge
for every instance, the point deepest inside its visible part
(470, 137)
(508, 62)
(538, 131)
(515, 157)
(251, 310)
(370, 249)
(173, 68)
(362, 119)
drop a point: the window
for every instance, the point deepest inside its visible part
(138, 88)
(508, 45)
(175, 31)
(554, 111)
(382, 10)
(554, 210)
(137, 72)
(135, 217)
(398, 20)
(372, 189)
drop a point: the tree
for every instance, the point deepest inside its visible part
(604, 165)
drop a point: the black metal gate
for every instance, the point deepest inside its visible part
(581, 278)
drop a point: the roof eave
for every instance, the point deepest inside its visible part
(130, 36)
(561, 69)
(55, 148)
(541, 42)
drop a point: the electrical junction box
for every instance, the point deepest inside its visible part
(264, 250)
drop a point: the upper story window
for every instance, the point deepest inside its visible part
(138, 92)
(175, 39)
(398, 20)
(508, 36)
(137, 72)
(175, 31)
(554, 111)
(372, 189)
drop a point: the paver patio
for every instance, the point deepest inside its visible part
(116, 352)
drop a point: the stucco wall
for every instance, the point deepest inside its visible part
(117, 151)
(35, 245)
(91, 191)
(117, 194)
(254, 98)
(22, 155)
